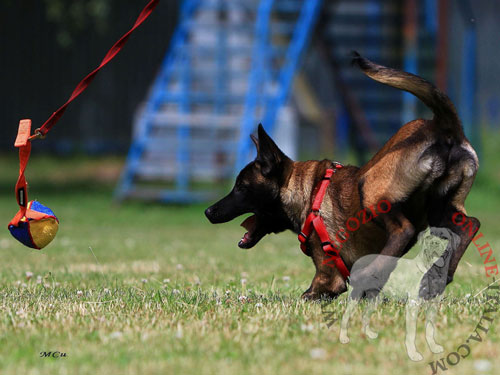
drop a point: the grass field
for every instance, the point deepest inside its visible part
(153, 289)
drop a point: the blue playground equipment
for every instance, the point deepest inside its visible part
(230, 66)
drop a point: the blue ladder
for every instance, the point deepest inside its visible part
(374, 29)
(261, 105)
(230, 66)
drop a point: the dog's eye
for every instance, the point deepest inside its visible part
(240, 186)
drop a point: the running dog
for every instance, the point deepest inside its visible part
(425, 171)
(415, 281)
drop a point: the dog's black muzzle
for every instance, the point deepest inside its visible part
(226, 209)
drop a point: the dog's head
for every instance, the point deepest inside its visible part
(257, 191)
(435, 241)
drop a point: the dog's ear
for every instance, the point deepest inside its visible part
(255, 141)
(422, 235)
(269, 156)
(440, 262)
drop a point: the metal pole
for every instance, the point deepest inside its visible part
(410, 33)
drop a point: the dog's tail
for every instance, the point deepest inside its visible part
(444, 111)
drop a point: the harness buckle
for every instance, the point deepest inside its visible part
(329, 248)
(302, 237)
(337, 165)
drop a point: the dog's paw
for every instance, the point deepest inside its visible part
(415, 356)
(344, 339)
(435, 348)
(368, 332)
(313, 296)
(310, 296)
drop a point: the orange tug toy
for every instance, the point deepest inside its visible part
(34, 225)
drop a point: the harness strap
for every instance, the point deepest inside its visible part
(314, 221)
(322, 190)
(329, 248)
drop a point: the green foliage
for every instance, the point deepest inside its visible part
(74, 17)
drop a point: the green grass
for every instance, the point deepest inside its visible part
(128, 319)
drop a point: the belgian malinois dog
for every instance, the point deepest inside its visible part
(425, 171)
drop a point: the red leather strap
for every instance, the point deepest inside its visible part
(315, 221)
(306, 232)
(316, 205)
(146, 12)
(24, 145)
(322, 190)
(328, 247)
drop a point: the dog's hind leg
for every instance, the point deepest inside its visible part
(466, 228)
(412, 307)
(430, 327)
(449, 211)
(370, 308)
(401, 231)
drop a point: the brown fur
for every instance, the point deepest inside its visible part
(425, 171)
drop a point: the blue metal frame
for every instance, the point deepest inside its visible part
(308, 15)
(468, 90)
(374, 11)
(144, 126)
(272, 104)
(431, 15)
(410, 64)
(255, 83)
(183, 130)
(177, 64)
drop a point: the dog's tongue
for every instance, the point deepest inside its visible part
(249, 224)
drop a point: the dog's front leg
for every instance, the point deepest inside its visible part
(411, 330)
(328, 281)
(430, 327)
(344, 324)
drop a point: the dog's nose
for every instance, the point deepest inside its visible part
(209, 213)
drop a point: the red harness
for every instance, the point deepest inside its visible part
(315, 221)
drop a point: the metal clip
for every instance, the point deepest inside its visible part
(38, 135)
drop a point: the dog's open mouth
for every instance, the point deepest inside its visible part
(253, 234)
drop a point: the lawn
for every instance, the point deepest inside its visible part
(154, 289)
